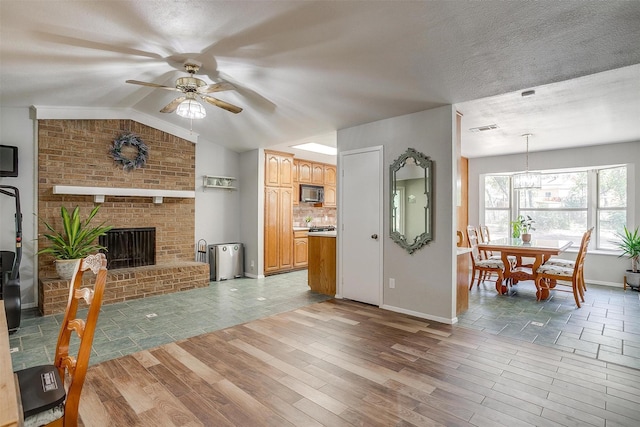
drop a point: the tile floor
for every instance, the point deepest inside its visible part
(124, 328)
(607, 327)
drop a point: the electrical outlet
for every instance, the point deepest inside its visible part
(252, 264)
(392, 283)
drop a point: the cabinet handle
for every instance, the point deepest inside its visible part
(374, 236)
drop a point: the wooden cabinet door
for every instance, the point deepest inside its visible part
(271, 229)
(271, 169)
(286, 228)
(329, 196)
(304, 172)
(329, 175)
(286, 171)
(296, 194)
(296, 165)
(300, 252)
(317, 174)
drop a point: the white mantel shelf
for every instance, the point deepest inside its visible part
(100, 192)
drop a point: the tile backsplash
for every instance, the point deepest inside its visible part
(321, 216)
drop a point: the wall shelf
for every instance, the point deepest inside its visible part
(226, 182)
(99, 193)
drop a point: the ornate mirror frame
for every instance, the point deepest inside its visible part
(411, 156)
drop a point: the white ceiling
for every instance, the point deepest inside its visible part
(308, 68)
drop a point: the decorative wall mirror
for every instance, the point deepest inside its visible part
(410, 200)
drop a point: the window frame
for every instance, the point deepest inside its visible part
(592, 208)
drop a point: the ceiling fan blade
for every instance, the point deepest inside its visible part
(154, 85)
(216, 87)
(221, 104)
(171, 107)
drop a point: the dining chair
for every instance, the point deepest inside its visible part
(550, 276)
(484, 267)
(570, 263)
(42, 388)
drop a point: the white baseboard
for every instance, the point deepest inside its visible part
(421, 315)
(254, 276)
(602, 283)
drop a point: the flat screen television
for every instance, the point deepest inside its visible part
(8, 160)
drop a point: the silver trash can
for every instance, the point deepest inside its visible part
(226, 261)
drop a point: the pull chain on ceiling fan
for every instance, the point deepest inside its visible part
(192, 88)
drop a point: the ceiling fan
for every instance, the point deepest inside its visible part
(192, 88)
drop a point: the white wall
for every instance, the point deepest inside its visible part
(17, 129)
(425, 280)
(600, 268)
(217, 219)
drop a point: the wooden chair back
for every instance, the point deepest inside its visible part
(73, 369)
(472, 240)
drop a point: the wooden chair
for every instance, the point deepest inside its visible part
(550, 276)
(570, 263)
(42, 388)
(484, 267)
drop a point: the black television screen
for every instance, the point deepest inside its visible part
(8, 160)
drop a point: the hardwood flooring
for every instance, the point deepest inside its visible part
(341, 363)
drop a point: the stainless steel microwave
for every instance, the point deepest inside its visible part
(311, 193)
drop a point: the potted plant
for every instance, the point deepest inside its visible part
(307, 220)
(629, 243)
(77, 240)
(521, 227)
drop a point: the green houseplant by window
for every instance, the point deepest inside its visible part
(77, 239)
(521, 227)
(629, 243)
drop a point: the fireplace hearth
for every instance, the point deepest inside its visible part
(129, 247)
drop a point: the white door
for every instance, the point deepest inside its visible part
(361, 234)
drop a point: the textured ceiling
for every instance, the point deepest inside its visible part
(309, 68)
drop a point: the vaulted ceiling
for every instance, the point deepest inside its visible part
(307, 68)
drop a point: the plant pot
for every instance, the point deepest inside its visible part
(526, 237)
(632, 279)
(66, 267)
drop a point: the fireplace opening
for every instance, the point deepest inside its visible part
(129, 247)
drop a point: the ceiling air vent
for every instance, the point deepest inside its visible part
(484, 128)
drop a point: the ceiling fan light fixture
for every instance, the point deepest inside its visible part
(191, 109)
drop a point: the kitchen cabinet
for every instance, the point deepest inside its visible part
(317, 174)
(462, 282)
(278, 169)
(300, 249)
(278, 229)
(330, 175)
(304, 171)
(322, 264)
(329, 196)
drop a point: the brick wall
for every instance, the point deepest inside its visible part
(76, 152)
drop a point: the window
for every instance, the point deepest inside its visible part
(566, 205)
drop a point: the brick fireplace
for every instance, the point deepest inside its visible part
(76, 153)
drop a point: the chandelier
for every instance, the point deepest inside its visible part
(527, 180)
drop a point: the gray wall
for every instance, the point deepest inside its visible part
(251, 211)
(217, 218)
(606, 269)
(425, 280)
(17, 129)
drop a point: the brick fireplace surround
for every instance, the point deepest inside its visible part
(76, 153)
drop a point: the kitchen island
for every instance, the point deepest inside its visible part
(322, 262)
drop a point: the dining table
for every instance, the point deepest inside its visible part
(10, 413)
(538, 249)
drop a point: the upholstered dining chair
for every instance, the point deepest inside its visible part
(50, 394)
(483, 267)
(572, 277)
(570, 263)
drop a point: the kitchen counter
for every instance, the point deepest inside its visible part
(322, 262)
(332, 233)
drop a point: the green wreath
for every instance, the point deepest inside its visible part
(131, 140)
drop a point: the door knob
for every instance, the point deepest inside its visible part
(374, 236)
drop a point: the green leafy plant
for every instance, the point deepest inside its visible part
(629, 243)
(522, 225)
(308, 219)
(77, 239)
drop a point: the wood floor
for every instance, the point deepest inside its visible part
(340, 363)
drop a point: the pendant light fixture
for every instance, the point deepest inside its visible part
(527, 180)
